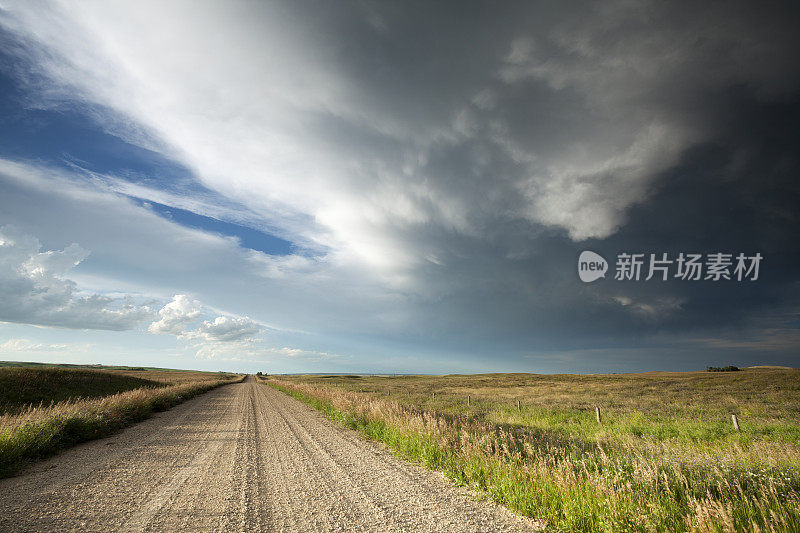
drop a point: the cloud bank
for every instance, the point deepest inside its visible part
(436, 175)
(33, 289)
(582, 124)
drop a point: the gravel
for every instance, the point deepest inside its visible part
(243, 457)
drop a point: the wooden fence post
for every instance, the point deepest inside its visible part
(519, 406)
(597, 413)
(469, 400)
(434, 395)
(735, 422)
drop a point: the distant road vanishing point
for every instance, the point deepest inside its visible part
(243, 457)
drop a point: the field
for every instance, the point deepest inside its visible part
(665, 456)
(21, 388)
(45, 408)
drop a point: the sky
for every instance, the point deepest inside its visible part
(400, 187)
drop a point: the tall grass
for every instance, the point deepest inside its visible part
(591, 481)
(39, 432)
(21, 387)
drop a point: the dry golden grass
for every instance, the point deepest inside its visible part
(172, 376)
(758, 393)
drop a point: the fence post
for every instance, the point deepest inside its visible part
(597, 413)
(519, 406)
(434, 395)
(469, 400)
(735, 422)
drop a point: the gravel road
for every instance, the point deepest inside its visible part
(243, 457)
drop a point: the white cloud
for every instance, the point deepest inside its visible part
(25, 345)
(249, 350)
(227, 338)
(653, 308)
(589, 196)
(34, 291)
(139, 252)
(226, 329)
(222, 337)
(302, 354)
(154, 65)
(238, 339)
(176, 315)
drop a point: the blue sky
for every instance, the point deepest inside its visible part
(383, 188)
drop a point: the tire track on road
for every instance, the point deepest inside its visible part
(243, 457)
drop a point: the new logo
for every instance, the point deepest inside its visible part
(591, 266)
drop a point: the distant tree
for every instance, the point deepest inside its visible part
(729, 368)
(259, 374)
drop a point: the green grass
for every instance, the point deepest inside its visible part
(21, 387)
(665, 458)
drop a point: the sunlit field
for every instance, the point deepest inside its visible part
(45, 408)
(665, 455)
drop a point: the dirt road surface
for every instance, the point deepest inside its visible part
(243, 457)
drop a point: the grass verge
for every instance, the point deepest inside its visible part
(40, 432)
(580, 484)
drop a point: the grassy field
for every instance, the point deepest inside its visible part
(21, 387)
(46, 408)
(666, 456)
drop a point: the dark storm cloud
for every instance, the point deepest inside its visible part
(723, 79)
(463, 154)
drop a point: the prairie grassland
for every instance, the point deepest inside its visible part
(172, 377)
(21, 387)
(665, 458)
(43, 427)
